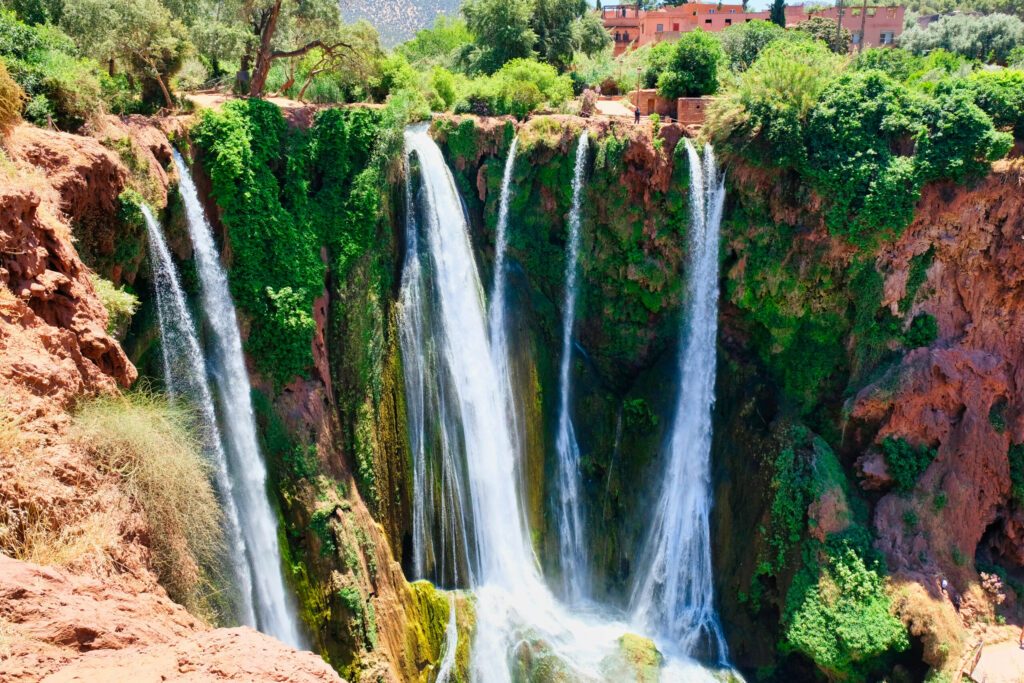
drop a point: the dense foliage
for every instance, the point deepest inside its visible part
(988, 38)
(692, 70)
(276, 221)
(865, 141)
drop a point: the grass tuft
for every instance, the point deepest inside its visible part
(151, 444)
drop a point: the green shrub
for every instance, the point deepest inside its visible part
(1000, 94)
(923, 330)
(905, 462)
(896, 62)
(58, 85)
(988, 38)
(742, 43)
(276, 271)
(827, 31)
(151, 445)
(764, 115)
(1016, 458)
(842, 620)
(693, 70)
(119, 304)
(320, 525)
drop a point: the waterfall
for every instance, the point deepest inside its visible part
(185, 378)
(518, 620)
(439, 500)
(274, 611)
(497, 323)
(572, 544)
(451, 645)
(674, 596)
(464, 351)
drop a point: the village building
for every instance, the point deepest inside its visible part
(631, 27)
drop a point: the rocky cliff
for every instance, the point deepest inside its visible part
(97, 610)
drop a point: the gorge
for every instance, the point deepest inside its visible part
(491, 399)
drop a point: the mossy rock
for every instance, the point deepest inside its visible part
(637, 659)
(427, 632)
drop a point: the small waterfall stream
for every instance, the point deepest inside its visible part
(674, 598)
(275, 613)
(185, 378)
(498, 323)
(571, 535)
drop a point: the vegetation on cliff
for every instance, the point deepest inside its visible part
(152, 446)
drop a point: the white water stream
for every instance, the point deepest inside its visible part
(571, 533)
(674, 597)
(185, 377)
(273, 604)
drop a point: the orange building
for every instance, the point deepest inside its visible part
(631, 27)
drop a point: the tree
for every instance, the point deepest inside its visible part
(141, 35)
(778, 13)
(552, 29)
(290, 28)
(742, 43)
(694, 68)
(828, 32)
(439, 45)
(988, 38)
(502, 29)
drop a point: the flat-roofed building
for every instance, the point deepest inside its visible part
(631, 27)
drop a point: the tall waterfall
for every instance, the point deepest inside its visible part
(440, 509)
(497, 322)
(675, 597)
(517, 618)
(571, 535)
(274, 610)
(185, 378)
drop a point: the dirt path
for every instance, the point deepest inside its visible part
(1000, 663)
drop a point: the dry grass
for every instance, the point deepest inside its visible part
(933, 620)
(151, 445)
(11, 97)
(39, 533)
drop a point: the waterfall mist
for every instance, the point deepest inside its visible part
(274, 608)
(674, 596)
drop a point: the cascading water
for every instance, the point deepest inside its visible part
(274, 610)
(451, 645)
(440, 509)
(517, 618)
(571, 534)
(497, 321)
(185, 378)
(675, 597)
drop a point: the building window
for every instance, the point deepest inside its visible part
(711, 11)
(856, 38)
(675, 27)
(707, 21)
(728, 22)
(887, 37)
(660, 28)
(618, 38)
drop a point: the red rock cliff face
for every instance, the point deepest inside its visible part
(98, 613)
(961, 395)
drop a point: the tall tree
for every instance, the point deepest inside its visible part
(140, 35)
(502, 30)
(778, 13)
